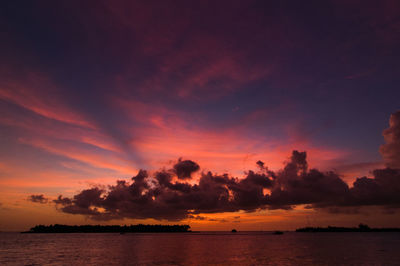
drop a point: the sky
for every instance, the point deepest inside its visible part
(255, 115)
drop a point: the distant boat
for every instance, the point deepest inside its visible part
(278, 233)
(234, 231)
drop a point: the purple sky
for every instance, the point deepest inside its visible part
(91, 92)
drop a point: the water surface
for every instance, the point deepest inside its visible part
(214, 248)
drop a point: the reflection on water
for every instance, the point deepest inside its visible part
(255, 248)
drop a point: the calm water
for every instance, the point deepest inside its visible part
(200, 249)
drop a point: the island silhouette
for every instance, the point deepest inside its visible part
(361, 228)
(139, 228)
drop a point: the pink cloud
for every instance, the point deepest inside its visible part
(82, 154)
(165, 134)
(38, 94)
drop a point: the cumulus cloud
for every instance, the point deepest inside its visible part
(184, 169)
(391, 150)
(383, 189)
(295, 185)
(157, 196)
(38, 198)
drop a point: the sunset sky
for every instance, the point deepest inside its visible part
(196, 93)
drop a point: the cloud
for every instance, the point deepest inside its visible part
(295, 185)
(38, 199)
(202, 218)
(62, 201)
(29, 92)
(383, 189)
(184, 169)
(391, 150)
(197, 217)
(157, 196)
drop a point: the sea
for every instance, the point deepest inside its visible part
(201, 248)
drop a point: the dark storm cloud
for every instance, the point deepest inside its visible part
(38, 198)
(391, 150)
